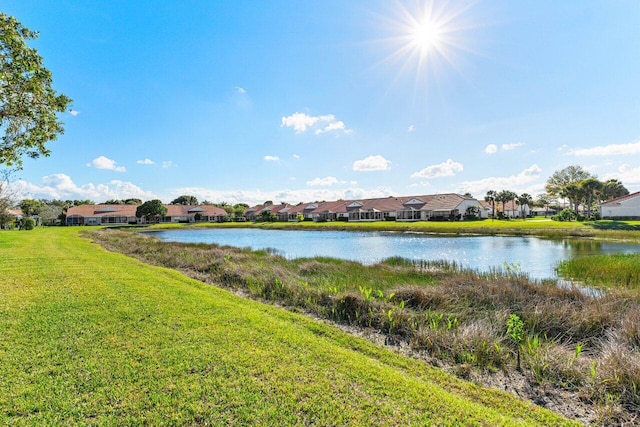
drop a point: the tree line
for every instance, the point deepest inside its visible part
(573, 184)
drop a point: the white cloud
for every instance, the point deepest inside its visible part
(272, 158)
(626, 174)
(608, 150)
(240, 90)
(74, 113)
(562, 147)
(491, 149)
(325, 182)
(513, 182)
(411, 129)
(507, 147)
(290, 196)
(300, 122)
(295, 156)
(146, 162)
(103, 162)
(61, 186)
(337, 125)
(372, 163)
(168, 164)
(448, 168)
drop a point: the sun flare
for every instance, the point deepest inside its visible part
(426, 36)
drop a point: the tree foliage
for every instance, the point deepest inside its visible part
(566, 183)
(613, 189)
(591, 188)
(185, 200)
(31, 207)
(28, 103)
(491, 198)
(151, 209)
(6, 198)
(132, 201)
(524, 200)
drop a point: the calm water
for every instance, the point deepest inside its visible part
(537, 257)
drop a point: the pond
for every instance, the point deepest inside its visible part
(535, 256)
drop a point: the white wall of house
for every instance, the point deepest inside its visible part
(466, 204)
(629, 208)
(517, 213)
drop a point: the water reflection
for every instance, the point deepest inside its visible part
(535, 256)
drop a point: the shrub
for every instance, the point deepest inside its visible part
(28, 223)
(565, 215)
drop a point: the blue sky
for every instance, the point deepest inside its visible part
(247, 101)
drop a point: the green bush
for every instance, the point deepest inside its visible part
(28, 223)
(565, 215)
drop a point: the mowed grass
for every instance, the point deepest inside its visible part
(94, 337)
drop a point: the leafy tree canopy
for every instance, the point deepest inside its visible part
(132, 201)
(613, 189)
(151, 208)
(31, 206)
(185, 200)
(28, 103)
(557, 183)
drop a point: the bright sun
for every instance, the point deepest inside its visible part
(426, 36)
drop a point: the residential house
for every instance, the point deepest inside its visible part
(281, 211)
(543, 211)
(437, 207)
(194, 213)
(126, 214)
(381, 209)
(625, 207)
(486, 210)
(513, 209)
(101, 215)
(330, 211)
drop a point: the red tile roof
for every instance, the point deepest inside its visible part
(130, 210)
(102, 210)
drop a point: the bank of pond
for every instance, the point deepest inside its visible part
(583, 346)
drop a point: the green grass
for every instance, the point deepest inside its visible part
(94, 337)
(545, 227)
(611, 271)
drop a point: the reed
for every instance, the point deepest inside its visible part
(617, 270)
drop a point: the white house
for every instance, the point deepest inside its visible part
(627, 207)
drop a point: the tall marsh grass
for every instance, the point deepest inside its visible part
(616, 270)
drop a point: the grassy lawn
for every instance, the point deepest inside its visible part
(94, 337)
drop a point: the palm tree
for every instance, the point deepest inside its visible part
(505, 196)
(613, 189)
(523, 200)
(590, 186)
(491, 198)
(543, 202)
(574, 193)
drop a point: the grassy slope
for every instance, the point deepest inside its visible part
(90, 336)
